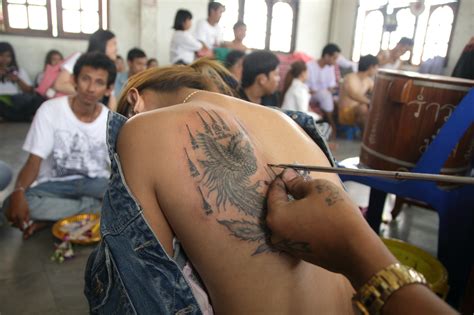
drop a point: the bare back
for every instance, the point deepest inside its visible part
(200, 172)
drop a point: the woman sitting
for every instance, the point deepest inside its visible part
(194, 167)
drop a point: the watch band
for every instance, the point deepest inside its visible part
(373, 295)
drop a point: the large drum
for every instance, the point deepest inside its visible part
(407, 111)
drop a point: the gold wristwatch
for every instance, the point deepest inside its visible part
(373, 295)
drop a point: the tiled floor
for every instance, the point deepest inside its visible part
(30, 283)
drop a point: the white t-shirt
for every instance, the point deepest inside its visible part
(70, 62)
(10, 88)
(70, 148)
(297, 97)
(183, 46)
(320, 78)
(208, 34)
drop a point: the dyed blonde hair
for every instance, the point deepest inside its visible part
(203, 74)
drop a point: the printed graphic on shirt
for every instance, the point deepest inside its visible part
(75, 153)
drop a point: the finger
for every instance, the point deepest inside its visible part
(295, 184)
(277, 194)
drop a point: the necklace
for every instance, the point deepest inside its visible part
(190, 95)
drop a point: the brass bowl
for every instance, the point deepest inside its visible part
(62, 228)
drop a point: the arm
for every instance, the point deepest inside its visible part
(301, 222)
(17, 211)
(63, 83)
(22, 79)
(191, 43)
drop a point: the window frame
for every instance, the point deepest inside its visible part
(454, 6)
(294, 4)
(27, 31)
(49, 32)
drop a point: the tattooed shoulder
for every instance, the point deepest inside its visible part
(223, 163)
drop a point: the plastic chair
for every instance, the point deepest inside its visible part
(455, 206)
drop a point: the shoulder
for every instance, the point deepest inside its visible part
(51, 108)
(54, 103)
(200, 24)
(70, 61)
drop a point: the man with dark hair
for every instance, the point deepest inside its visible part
(354, 104)
(68, 166)
(208, 31)
(390, 59)
(240, 30)
(322, 80)
(260, 78)
(136, 60)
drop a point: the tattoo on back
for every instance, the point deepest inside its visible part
(224, 172)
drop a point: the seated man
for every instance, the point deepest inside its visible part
(322, 80)
(197, 172)
(136, 60)
(354, 104)
(260, 78)
(67, 160)
(240, 30)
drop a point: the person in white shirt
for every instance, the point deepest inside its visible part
(183, 44)
(295, 92)
(13, 79)
(68, 165)
(208, 31)
(322, 80)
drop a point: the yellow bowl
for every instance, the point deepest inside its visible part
(412, 256)
(60, 228)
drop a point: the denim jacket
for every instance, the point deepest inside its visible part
(129, 272)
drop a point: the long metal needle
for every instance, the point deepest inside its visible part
(379, 173)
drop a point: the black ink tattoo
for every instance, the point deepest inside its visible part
(193, 141)
(225, 166)
(333, 194)
(192, 168)
(205, 205)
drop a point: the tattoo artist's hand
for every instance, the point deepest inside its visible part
(321, 226)
(18, 212)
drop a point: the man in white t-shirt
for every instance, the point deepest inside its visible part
(68, 165)
(208, 31)
(322, 80)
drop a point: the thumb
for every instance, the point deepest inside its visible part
(296, 184)
(277, 194)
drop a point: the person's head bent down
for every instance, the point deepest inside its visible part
(162, 87)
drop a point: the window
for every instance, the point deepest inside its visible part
(381, 23)
(271, 24)
(53, 18)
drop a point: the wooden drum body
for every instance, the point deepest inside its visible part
(407, 111)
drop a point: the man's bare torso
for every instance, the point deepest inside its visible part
(354, 84)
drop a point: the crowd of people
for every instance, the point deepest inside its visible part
(89, 153)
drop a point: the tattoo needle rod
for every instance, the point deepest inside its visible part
(379, 173)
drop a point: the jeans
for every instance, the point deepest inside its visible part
(5, 175)
(51, 201)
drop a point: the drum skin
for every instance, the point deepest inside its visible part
(407, 111)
